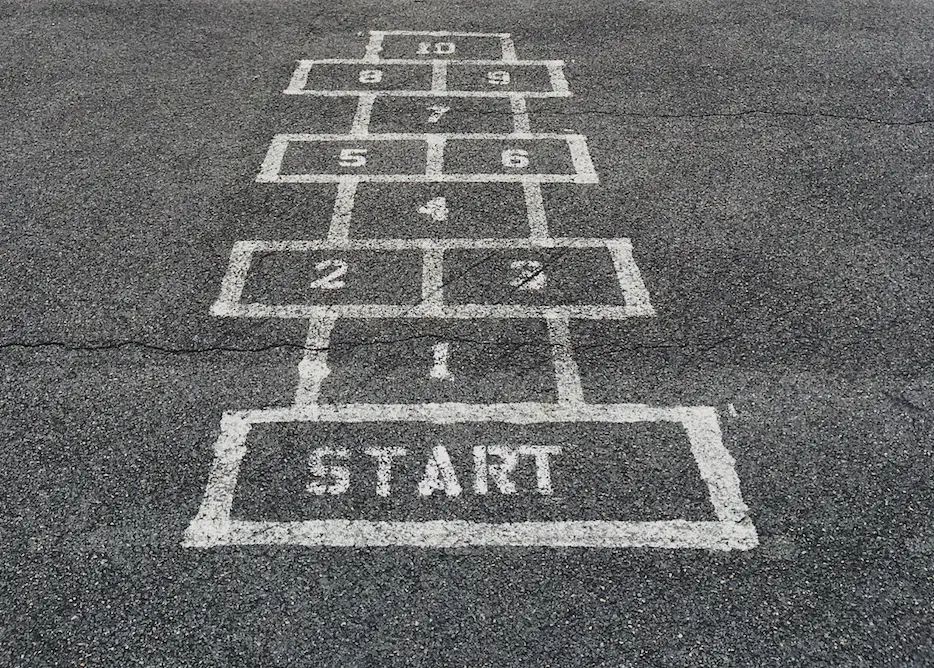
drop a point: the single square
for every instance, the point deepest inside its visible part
(499, 78)
(439, 210)
(532, 276)
(519, 157)
(441, 114)
(361, 76)
(353, 157)
(322, 277)
(441, 46)
(627, 471)
(435, 360)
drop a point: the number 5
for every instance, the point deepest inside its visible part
(516, 158)
(352, 157)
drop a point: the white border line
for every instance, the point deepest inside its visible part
(439, 33)
(339, 230)
(427, 93)
(430, 61)
(567, 374)
(213, 526)
(421, 310)
(313, 368)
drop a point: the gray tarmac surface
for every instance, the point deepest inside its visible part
(771, 163)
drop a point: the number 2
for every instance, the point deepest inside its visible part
(330, 281)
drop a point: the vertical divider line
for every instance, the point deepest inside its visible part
(439, 76)
(360, 127)
(313, 368)
(343, 209)
(299, 78)
(374, 46)
(567, 374)
(535, 208)
(520, 113)
(433, 278)
(434, 161)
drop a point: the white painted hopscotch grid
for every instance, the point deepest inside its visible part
(213, 526)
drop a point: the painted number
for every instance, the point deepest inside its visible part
(437, 208)
(515, 158)
(440, 48)
(437, 111)
(371, 76)
(329, 281)
(339, 474)
(498, 78)
(526, 275)
(352, 157)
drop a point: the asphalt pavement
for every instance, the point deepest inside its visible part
(770, 165)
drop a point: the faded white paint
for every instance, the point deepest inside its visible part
(439, 370)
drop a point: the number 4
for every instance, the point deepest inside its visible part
(437, 208)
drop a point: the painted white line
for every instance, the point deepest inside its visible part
(427, 63)
(583, 165)
(439, 371)
(433, 178)
(434, 161)
(509, 49)
(427, 93)
(429, 309)
(671, 534)
(237, 269)
(373, 47)
(630, 280)
(299, 78)
(622, 244)
(581, 140)
(272, 163)
(343, 209)
(732, 410)
(439, 76)
(567, 375)
(313, 368)
(520, 114)
(432, 280)
(360, 126)
(556, 73)
(733, 531)
(438, 33)
(535, 208)
(717, 467)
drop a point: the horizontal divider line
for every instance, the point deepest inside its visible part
(427, 93)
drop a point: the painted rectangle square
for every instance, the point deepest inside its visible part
(508, 156)
(532, 276)
(439, 210)
(333, 277)
(441, 47)
(441, 114)
(368, 77)
(417, 361)
(354, 157)
(499, 77)
(626, 471)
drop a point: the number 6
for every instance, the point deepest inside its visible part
(516, 158)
